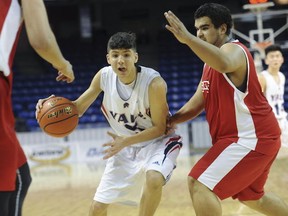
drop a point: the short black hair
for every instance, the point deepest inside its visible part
(218, 14)
(122, 40)
(272, 48)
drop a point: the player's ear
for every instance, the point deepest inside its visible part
(108, 58)
(136, 57)
(223, 28)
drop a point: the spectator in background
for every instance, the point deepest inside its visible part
(272, 81)
(15, 175)
(245, 133)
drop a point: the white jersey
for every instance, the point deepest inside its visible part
(130, 116)
(275, 93)
(8, 35)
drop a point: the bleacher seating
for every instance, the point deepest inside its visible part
(180, 68)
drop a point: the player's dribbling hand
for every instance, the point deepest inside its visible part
(39, 104)
(170, 128)
(114, 146)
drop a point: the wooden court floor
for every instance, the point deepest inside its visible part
(67, 190)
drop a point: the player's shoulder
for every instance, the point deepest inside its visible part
(281, 74)
(263, 73)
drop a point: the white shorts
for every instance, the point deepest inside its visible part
(124, 174)
(284, 131)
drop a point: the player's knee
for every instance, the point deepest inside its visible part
(26, 183)
(252, 203)
(191, 183)
(196, 186)
(24, 179)
(97, 208)
(154, 180)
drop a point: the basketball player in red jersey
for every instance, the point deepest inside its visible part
(14, 171)
(245, 133)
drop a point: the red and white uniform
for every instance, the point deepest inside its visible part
(245, 135)
(11, 153)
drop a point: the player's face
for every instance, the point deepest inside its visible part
(274, 59)
(123, 63)
(206, 31)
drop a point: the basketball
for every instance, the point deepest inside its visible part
(58, 117)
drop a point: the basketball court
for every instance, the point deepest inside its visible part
(62, 190)
(67, 188)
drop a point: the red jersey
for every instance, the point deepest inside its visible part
(11, 153)
(242, 117)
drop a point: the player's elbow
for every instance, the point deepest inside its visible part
(40, 42)
(224, 68)
(160, 130)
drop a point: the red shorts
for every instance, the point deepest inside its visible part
(11, 153)
(232, 170)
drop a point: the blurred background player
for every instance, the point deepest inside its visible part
(14, 171)
(272, 81)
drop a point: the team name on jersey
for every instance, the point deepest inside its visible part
(205, 86)
(122, 117)
(276, 97)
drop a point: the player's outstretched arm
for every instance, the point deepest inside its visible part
(189, 110)
(43, 40)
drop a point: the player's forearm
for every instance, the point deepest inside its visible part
(39, 32)
(51, 53)
(186, 113)
(146, 135)
(209, 54)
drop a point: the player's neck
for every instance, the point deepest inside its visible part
(129, 79)
(273, 71)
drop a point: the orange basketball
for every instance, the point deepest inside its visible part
(58, 117)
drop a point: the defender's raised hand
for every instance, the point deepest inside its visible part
(177, 27)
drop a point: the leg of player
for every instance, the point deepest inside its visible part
(4, 202)
(23, 181)
(269, 204)
(152, 193)
(205, 202)
(98, 209)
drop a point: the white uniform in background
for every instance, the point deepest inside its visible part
(127, 110)
(275, 96)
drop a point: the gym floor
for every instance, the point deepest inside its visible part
(62, 190)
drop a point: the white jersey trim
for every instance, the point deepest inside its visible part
(8, 35)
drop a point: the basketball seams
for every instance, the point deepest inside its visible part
(59, 117)
(48, 110)
(60, 121)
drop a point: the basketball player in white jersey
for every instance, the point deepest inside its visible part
(140, 157)
(272, 81)
(14, 170)
(245, 133)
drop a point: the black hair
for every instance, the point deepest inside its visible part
(122, 40)
(272, 48)
(218, 14)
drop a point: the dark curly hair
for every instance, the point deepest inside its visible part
(218, 14)
(122, 40)
(272, 48)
